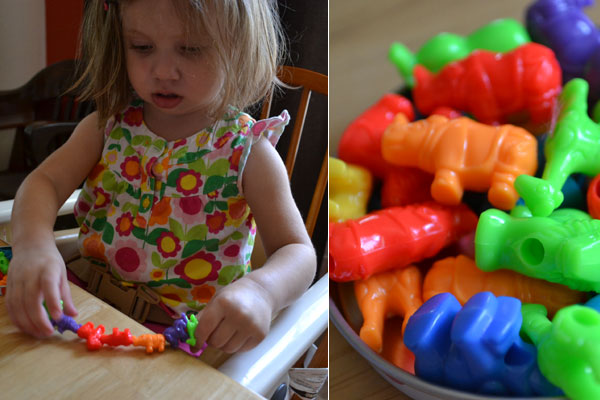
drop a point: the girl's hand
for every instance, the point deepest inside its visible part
(37, 273)
(237, 318)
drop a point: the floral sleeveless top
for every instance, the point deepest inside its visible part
(173, 214)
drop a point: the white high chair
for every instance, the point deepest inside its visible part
(298, 326)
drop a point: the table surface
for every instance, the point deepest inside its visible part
(359, 74)
(61, 367)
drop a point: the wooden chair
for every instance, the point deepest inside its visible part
(305, 82)
(309, 81)
(30, 109)
(298, 326)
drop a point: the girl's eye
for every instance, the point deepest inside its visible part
(192, 50)
(141, 48)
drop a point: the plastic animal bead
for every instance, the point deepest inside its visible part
(559, 249)
(593, 197)
(394, 237)
(573, 147)
(66, 323)
(463, 154)
(387, 294)
(360, 143)
(476, 347)
(192, 324)
(501, 35)
(177, 332)
(91, 335)
(349, 190)
(563, 26)
(117, 338)
(519, 87)
(406, 186)
(461, 277)
(568, 347)
(394, 350)
(150, 341)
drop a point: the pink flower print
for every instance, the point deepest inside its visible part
(149, 165)
(199, 268)
(222, 141)
(189, 182)
(128, 259)
(179, 143)
(213, 195)
(235, 157)
(82, 207)
(232, 251)
(130, 168)
(216, 222)
(168, 244)
(189, 209)
(202, 138)
(124, 224)
(102, 198)
(134, 116)
(259, 127)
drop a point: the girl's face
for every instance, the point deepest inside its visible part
(175, 74)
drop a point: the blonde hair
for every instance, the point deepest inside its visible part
(248, 41)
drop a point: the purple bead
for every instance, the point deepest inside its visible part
(563, 26)
(66, 323)
(177, 332)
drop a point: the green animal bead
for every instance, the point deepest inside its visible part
(501, 35)
(568, 347)
(562, 248)
(574, 146)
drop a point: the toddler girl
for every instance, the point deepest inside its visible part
(176, 173)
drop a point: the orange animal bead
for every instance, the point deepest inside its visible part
(463, 154)
(150, 341)
(383, 295)
(461, 277)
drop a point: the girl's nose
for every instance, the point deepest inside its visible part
(165, 67)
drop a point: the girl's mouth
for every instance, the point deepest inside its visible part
(166, 100)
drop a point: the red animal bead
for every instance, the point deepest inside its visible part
(519, 87)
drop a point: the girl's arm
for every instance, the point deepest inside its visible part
(37, 270)
(239, 316)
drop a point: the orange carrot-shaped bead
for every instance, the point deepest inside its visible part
(463, 154)
(396, 292)
(461, 277)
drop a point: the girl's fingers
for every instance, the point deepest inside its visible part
(251, 343)
(37, 314)
(51, 290)
(208, 320)
(236, 343)
(222, 334)
(65, 294)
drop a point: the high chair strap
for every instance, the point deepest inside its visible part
(137, 301)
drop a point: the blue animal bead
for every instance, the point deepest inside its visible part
(476, 348)
(427, 335)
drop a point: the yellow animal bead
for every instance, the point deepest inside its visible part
(349, 190)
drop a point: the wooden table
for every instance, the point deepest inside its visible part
(360, 35)
(61, 367)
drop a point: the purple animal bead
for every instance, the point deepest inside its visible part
(567, 30)
(66, 323)
(177, 332)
